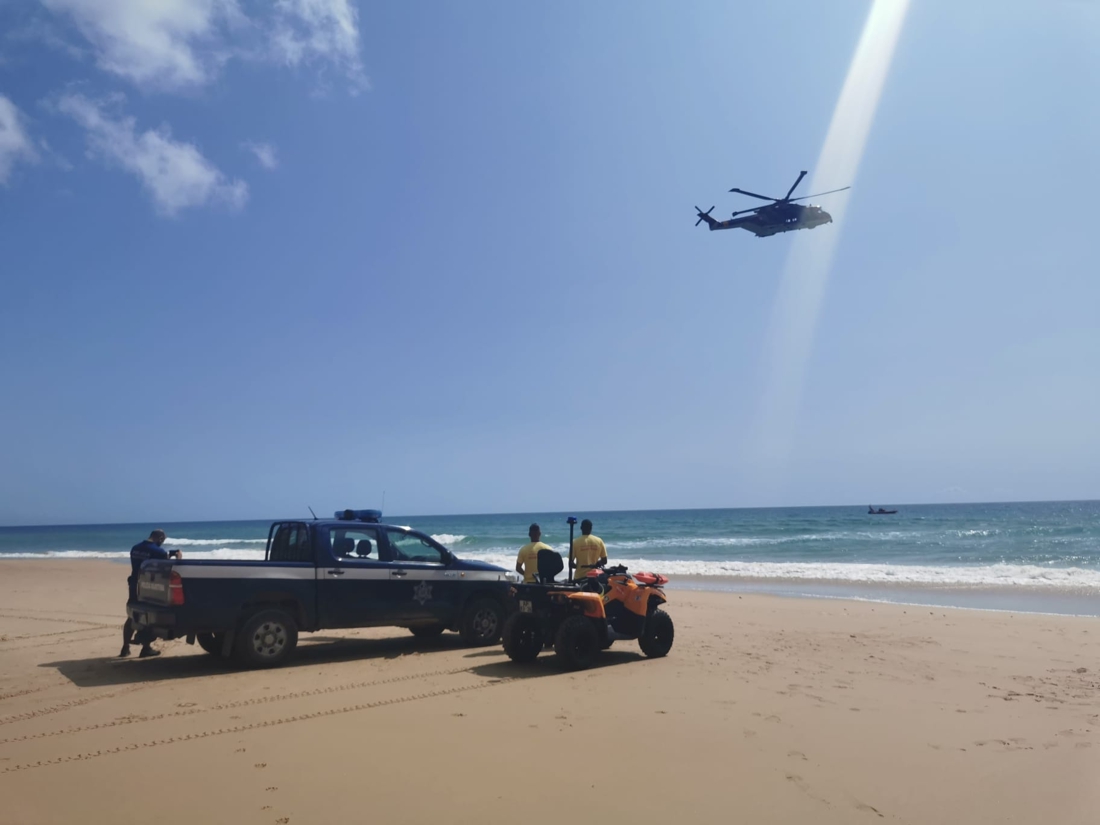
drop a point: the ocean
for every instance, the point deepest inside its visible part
(1040, 556)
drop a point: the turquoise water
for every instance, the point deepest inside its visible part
(1047, 544)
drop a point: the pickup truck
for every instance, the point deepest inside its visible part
(351, 571)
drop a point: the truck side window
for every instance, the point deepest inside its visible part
(290, 543)
(411, 547)
(355, 543)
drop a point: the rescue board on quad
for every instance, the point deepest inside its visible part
(580, 619)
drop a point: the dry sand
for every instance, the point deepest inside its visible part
(767, 710)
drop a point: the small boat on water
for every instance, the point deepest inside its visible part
(871, 511)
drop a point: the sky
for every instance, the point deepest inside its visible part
(256, 256)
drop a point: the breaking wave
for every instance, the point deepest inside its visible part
(448, 539)
(1011, 575)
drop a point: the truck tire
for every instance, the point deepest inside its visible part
(266, 639)
(522, 638)
(211, 642)
(656, 638)
(427, 631)
(576, 642)
(482, 621)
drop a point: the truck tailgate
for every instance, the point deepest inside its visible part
(153, 581)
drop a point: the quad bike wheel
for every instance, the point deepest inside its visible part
(576, 643)
(656, 638)
(522, 638)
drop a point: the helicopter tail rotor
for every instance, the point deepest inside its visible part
(704, 216)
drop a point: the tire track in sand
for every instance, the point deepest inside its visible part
(153, 743)
(242, 703)
(74, 703)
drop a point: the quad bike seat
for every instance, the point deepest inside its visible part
(550, 564)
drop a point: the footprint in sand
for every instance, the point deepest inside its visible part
(272, 788)
(798, 755)
(260, 765)
(282, 820)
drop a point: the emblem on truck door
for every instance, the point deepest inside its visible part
(422, 592)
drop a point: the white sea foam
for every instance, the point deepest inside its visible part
(448, 539)
(1010, 575)
(1013, 575)
(211, 542)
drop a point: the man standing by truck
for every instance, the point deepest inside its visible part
(141, 552)
(527, 562)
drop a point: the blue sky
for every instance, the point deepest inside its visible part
(255, 256)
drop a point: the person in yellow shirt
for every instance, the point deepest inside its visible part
(587, 550)
(527, 562)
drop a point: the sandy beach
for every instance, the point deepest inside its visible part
(768, 709)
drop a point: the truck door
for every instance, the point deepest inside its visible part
(422, 587)
(353, 582)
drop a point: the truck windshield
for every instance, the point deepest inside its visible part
(409, 546)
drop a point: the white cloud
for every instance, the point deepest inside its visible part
(168, 44)
(309, 30)
(264, 152)
(174, 172)
(15, 143)
(175, 45)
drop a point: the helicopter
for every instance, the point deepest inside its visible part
(781, 215)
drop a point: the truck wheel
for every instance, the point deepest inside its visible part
(427, 631)
(482, 621)
(576, 643)
(211, 642)
(522, 638)
(656, 638)
(267, 639)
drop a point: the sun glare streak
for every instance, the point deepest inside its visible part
(805, 275)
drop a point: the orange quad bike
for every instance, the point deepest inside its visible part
(580, 619)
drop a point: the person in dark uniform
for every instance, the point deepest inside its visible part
(148, 549)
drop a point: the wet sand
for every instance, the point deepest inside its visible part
(768, 709)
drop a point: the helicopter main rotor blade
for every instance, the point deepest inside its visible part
(819, 194)
(753, 195)
(801, 175)
(746, 211)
